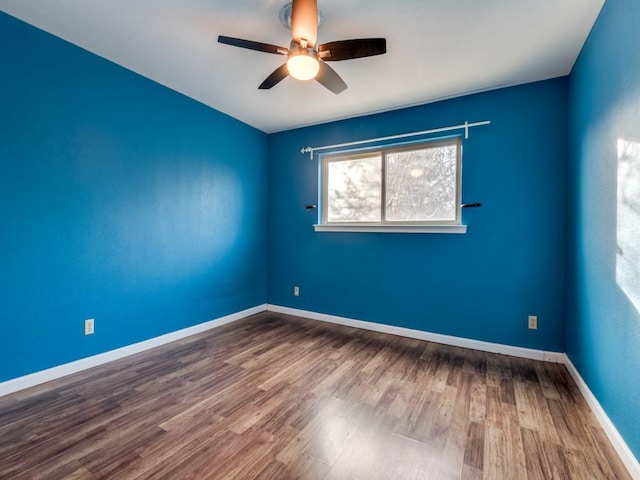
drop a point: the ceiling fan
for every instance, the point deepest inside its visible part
(305, 60)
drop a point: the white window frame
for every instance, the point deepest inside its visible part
(439, 226)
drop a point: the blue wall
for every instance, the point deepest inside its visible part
(120, 200)
(603, 325)
(481, 285)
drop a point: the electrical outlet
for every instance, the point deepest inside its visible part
(296, 291)
(533, 322)
(88, 326)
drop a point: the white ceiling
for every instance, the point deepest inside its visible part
(435, 49)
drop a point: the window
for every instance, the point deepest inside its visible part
(408, 188)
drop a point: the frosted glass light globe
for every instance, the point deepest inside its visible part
(303, 66)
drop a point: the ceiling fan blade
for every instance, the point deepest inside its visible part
(304, 21)
(348, 49)
(250, 45)
(276, 77)
(328, 77)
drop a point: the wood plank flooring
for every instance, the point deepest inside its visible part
(280, 397)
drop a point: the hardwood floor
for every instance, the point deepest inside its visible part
(279, 397)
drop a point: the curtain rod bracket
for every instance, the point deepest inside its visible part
(308, 150)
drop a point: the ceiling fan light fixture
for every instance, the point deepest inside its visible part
(303, 65)
(306, 60)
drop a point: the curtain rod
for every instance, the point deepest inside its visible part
(465, 126)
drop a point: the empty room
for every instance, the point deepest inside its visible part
(320, 239)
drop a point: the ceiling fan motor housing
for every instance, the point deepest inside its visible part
(285, 16)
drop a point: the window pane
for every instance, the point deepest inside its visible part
(354, 190)
(421, 184)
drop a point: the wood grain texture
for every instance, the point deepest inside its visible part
(280, 397)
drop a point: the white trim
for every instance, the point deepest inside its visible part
(621, 447)
(522, 352)
(20, 383)
(386, 228)
(554, 357)
(625, 453)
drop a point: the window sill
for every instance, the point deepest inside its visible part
(458, 229)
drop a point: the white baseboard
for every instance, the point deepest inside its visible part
(20, 383)
(625, 453)
(623, 450)
(554, 357)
